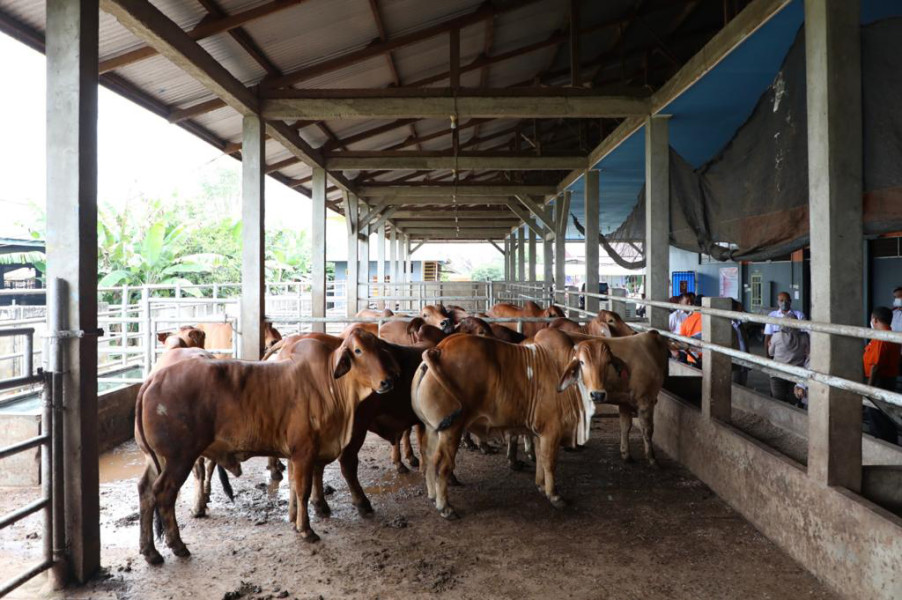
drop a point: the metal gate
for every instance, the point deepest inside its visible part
(50, 441)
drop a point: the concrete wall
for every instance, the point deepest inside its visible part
(116, 416)
(708, 275)
(851, 544)
(886, 274)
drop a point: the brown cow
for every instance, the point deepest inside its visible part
(387, 415)
(482, 384)
(640, 366)
(595, 327)
(219, 337)
(530, 309)
(187, 336)
(371, 313)
(438, 316)
(615, 323)
(372, 328)
(227, 411)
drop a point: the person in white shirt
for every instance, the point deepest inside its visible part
(678, 316)
(897, 310)
(780, 388)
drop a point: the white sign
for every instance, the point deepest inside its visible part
(729, 282)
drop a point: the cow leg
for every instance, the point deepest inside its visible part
(446, 449)
(166, 490)
(145, 512)
(626, 423)
(429, 459)
(469, 444)
(408, 450)
(421, 443)
(513, 462)
(303, 470)
(200, 497)
(318, 498)
(647, 424)
(396, 455)
(275, 468)
(208, 480)
(292, 496)
(349, 462)
(529, 447)
(548, 449)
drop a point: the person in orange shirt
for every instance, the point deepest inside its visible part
(881, 368)
(692, 327)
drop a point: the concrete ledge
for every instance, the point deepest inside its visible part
(116, 416)
(851, 544)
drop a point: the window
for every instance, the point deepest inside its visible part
(757, 287)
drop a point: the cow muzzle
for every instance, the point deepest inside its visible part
(447, 326)
(385, 386)
(598, 396)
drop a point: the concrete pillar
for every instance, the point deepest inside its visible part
(521, 253)
(318, 246)
(590, 222)
(717, 369)
(380, 261)
(512, 257)
(363, 278)
(71, 34)
(506, 259)
(561, 211)
(657, 217)
(548, 264)
(532, 254)
(253, 297)
(393, 266)
(833, 61)
(352, 273)
(409, 267)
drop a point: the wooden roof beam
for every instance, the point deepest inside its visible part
(389, 189)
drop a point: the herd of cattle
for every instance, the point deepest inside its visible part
(444, 373)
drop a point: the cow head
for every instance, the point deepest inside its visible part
(438, 316)
(367, 356)
(553, 312)
(187, 336)
(475, 326)
(615, 323)
(271, 336)
(594, 365)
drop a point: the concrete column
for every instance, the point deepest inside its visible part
(521, 253)
(71, 34)
(512, 257)
(352, 273)
(506, 259)
(591, 224)
(717, 369)
(548, 263)
(380, 261)
(657, 217)
(363, 278)
(561, 211)
(833, 61)
(532, 254)
(408, 271)
(253, 203)
(393, 265)
(318, 244)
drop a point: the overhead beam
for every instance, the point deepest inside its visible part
(510, 221)
(497, 233)
(551, 103)
(417, 161)
(459, 190)
(525, 217)
(542, 214)
(455, 214)
(443, 201)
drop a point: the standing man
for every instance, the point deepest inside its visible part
(897, 309)
(791, 347)
(881, 367)
(784, 308)
(678, 316)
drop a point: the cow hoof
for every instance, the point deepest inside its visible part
(364, 509)
(309, 536)
(485, 449)
(454, 481)
(627, 458)
(401, 469)
(654, 464)
(516, 465)
(153, 557)
(558, 502)
(181, 551)
(199, 513)
(276, 475)
(322, 509)
(414, 461)
(448, 513)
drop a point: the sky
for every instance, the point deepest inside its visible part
(148, 157)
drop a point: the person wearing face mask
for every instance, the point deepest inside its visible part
(789, 347)
(881, 368)
(678, 316)
(896, 325)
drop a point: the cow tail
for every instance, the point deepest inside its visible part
(431, 360)
(274, 349)
(139, 427)
(224, 481)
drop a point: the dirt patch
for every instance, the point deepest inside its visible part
(630, 532)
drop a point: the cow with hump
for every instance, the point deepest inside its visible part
(486, 386)
(228, 411)
(529, 309)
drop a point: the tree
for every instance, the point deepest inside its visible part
(487, 272)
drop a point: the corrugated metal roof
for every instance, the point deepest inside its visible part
(315, 31)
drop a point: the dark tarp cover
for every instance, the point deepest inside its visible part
(750, 202)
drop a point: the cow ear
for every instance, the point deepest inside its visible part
(414, 326)
(342, 363)
(199, 338)
(571, 374)
(161, 337)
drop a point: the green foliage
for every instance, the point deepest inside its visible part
(487, 272)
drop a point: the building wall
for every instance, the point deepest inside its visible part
(886, 274)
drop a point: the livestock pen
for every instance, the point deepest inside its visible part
(629, 128)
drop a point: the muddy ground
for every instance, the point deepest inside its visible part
(630, 533)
